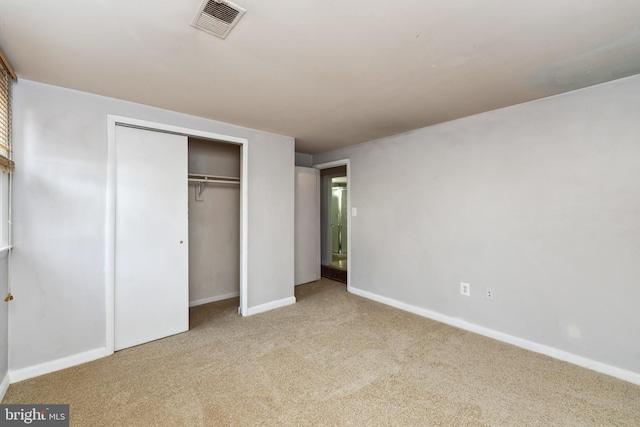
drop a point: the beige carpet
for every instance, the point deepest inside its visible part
(331, 359)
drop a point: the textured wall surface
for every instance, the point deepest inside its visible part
(540, 202)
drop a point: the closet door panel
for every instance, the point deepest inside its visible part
(307, 225)
(151, 247)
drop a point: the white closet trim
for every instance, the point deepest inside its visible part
(112, 122)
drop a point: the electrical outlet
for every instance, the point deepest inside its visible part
(465, 289)
(489, 294)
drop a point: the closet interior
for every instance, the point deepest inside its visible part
(214, 221)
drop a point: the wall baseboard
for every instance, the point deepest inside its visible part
(198, 302)
(603, 368)
(17, 375)
(271, 305)
(4, 385)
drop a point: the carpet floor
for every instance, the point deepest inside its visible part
(332, 359)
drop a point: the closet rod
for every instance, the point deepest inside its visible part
(214, 181)
(200, 176)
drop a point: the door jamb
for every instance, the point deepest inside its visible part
(112, 122)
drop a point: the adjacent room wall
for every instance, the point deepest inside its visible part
(60, 147)
(539, 201)
(305, 160)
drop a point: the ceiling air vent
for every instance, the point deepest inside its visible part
(217, 17)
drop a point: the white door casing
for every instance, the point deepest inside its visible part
(151, 232)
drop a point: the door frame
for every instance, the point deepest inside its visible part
(112, 122)
(333, 164)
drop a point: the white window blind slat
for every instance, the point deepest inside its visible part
(5, 118)
(6, 79)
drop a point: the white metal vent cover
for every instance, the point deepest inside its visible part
(217, 17)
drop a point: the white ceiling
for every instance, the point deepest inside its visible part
(330, 73)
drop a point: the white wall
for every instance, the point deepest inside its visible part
(271, 216)
(60, 149)
(539, 201)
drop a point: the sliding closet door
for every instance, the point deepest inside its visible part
(151, 247)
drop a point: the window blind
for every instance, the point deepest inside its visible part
(7, 76)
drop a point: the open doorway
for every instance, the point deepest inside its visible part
(334, 220)
(337, 242)
(214, 220)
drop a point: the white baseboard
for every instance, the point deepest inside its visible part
(4, 385)
(22, 374)
(197, 302)
(271, 305)
(629, 376)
